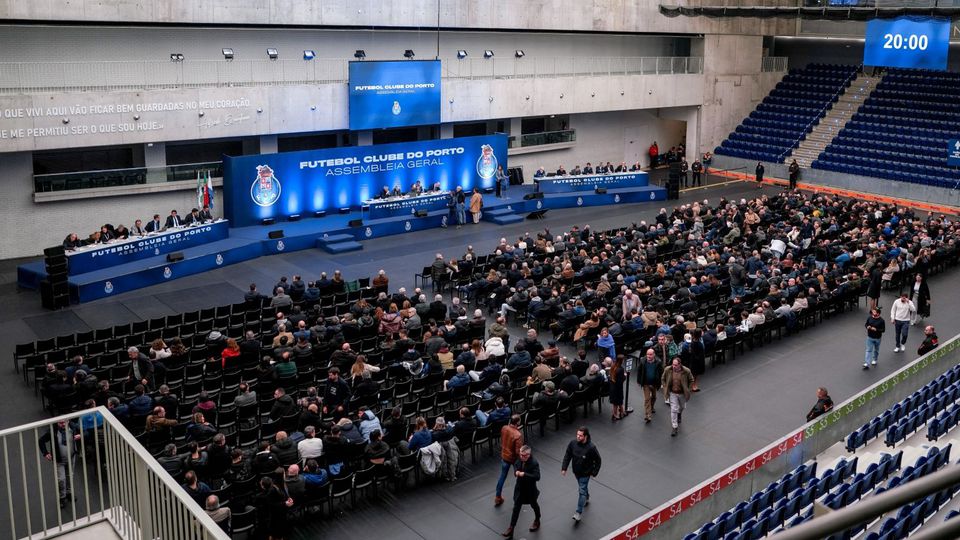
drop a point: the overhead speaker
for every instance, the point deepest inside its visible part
(420, 213)
(273, 235)
(532, 196)
(600, 191)
(355, 223)
(176, 256)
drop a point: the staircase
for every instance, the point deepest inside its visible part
(831, 124)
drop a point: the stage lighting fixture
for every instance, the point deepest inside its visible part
(308, 54)
(320, 213)
(293, 217)
(228, 54)
(360, 54)
(273, 53)
(408, 54)
(461, 54)
(267, 221)
(488, 53)
(518, 53)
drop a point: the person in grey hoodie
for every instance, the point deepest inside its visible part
(368, 423)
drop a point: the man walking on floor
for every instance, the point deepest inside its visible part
(901, 312)
(586, 463)
(676, 385)
(875, 329)
(511, 441)
(527, 471)
(648, 377)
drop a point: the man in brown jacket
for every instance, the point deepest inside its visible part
(511, 439)
(676, 383)
(158, 420)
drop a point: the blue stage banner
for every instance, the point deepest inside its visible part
(394, 94)
(99, 256)
(278, 185)
(561, 184)
(405, 206)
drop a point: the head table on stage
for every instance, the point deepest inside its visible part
(99, 256)
(405, 205)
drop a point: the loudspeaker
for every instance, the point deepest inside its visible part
(176, 256)
(54, 251)
(53, 297)
(600, 191)
(532, 196)
(673, 188)
(676, 167)
(273, 235)
(420, 213)
(537, 215)
(515, 175)
(355, 223)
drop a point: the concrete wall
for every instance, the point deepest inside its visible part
(732, 85)
(614, 137)
(561, 15)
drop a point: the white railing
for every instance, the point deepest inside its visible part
(19, 77)
(109, 476)
(773, 64)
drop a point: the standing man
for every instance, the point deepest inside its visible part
(794, 174)
(527, 471)
(59, 445)
(476, 205)
(900, 314)
(676, 383)
(823, 405)
(697, 169)
(648, 377)
(684, 169)
(875, 329)
(586, 463)
(930, 341)
(502, 180)
(654, 153)
(460, 201)
(511, 442)
(758, 173)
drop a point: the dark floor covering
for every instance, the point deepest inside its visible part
(743, 406)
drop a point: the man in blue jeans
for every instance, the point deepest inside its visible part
(511, 440)
(875, 329)
(586, 463)
(459, 206)
(901, 312)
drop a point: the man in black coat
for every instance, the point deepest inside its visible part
(527, 472)
(586, 463)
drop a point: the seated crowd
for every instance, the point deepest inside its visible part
(339, 383)
(109, 233)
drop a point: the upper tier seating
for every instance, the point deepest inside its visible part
(785, 116)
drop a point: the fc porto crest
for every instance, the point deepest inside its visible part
(368, 232)
(219, 259)
(167, 272)
(616, 198)
(265, 190)
(396, 108)
(487, 162)
(539, 204)
(280, 245)
(653, 195)
(407, 226)
(108, 287)
(443, 221)
(156, 251)
(579, 201)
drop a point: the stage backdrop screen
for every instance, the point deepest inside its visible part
(394, 94)
(907, 42)
(278, 185)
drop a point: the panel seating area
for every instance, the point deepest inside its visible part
(901, 131)
(791, 110)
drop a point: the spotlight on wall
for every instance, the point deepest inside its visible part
(227, 54)
(360, 54)
(519, 53)
(308, 54)
(461, 54)
(408, 54)
(293, 217)
(176, 57)
(273, 53)
(488, 53)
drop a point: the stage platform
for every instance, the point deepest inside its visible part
(245, 243)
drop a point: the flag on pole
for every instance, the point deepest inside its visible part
(201, 189)
(209, 191)
(204, 189)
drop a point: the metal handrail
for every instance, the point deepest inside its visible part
(816, 118)
(120, 482)
(872, 507)
(16, 77)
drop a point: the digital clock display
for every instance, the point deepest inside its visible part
(907, 42)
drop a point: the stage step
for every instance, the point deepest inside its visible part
(342, 247)
(333, 239)
(506, 219)
(503, 211)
